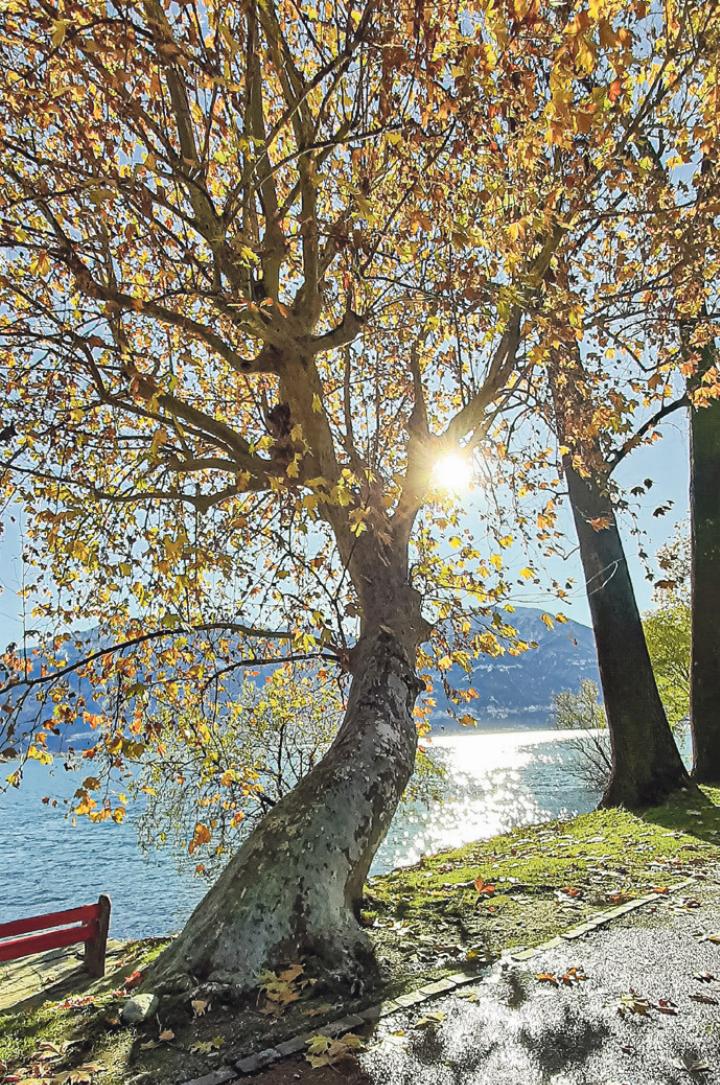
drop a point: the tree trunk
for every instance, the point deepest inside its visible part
(705, 580)
(293, 890)
(646, 765)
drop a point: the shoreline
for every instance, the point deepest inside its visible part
(454, 912)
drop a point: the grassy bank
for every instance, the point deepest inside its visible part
(457, 909)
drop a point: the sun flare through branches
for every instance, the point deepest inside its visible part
(453, 473)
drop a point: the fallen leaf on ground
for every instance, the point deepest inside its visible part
(290, 974)
(631, 1002)
(326, 1051)
(166, 1036)
(547, 977)
(573, 976)
(707, 1000)
(80, 1001)
(279, 990)
(200, 1006)
(432, 1017)
(691, 1064)
(204, 1047)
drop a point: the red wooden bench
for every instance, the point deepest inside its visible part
(88, 924)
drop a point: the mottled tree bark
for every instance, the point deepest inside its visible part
(646, 765)
(705, 579)
(293, 890)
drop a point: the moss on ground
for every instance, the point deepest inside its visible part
(455, 909)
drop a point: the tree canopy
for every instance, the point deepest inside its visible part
(264, 266)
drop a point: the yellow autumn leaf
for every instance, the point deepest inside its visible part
(59, 30)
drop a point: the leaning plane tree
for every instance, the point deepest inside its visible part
(264, 265)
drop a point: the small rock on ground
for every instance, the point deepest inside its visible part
(139, 1008)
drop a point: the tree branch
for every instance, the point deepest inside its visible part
(634, 441)
(142, 638)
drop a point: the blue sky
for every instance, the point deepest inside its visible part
(666, 462)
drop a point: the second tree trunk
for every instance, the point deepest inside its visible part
(646, 765)
(705, 525)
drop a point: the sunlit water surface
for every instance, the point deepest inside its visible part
(495, 781)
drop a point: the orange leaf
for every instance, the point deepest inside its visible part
(201, 836)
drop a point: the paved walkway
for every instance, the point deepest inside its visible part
(647, 1013)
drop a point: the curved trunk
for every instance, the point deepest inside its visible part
(646, 765)
(705, 527)
(293, 889)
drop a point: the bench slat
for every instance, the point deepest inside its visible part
(84, 914)
(38, 943)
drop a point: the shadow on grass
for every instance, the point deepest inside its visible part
(695, 812)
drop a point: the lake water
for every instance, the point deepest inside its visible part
(495, 781)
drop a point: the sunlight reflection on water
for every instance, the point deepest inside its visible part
(494, 783)
(495, 780)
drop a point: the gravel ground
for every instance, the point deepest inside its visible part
(648, 1013)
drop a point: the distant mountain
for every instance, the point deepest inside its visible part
(513, 691)
(519, 690)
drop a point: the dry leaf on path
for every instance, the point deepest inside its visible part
(325, 1051)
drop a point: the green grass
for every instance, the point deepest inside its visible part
(60, 1016)
(603, 858)
(425, 919)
